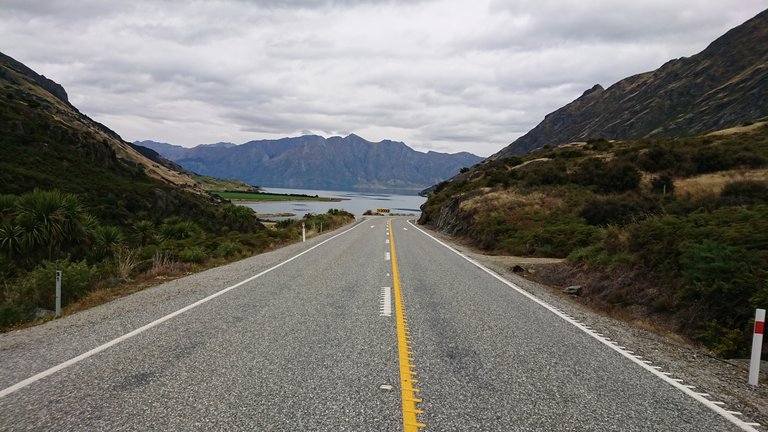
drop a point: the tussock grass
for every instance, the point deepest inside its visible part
(713, 183)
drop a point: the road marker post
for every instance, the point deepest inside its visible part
(757, 347)
(303, 233)
(58, 293)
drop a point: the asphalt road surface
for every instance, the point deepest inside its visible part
(306, 344)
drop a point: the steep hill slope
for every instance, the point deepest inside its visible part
(723, 86)
(345, 163)
(47, 143)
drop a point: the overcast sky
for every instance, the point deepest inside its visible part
(443, 75)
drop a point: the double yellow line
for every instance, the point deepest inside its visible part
(407, 372)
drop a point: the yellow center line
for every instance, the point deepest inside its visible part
(407, 373)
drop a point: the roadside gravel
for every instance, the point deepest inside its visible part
(724, 380)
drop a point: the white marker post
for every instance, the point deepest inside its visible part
(757, 347)
(303, 233)
(58, 293)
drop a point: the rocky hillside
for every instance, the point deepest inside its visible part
(47, 143)
(723, 86)
(339, 163)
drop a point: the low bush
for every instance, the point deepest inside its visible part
(226, 249)
(546, 175)
(744, 192)
(615, 176)
(559, 241)
(618, 209)
(38, 287)
(193, 254)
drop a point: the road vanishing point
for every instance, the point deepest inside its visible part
(374, 327)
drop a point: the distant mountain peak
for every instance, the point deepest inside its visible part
(595, 88)
(313, 162)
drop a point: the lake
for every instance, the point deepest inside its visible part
(354, 202)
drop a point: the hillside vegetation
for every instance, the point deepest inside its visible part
(671, 230)
(75, 197)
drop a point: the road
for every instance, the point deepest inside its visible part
(300, 339)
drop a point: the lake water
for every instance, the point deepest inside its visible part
(354, 202)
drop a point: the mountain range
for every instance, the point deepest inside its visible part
(723, 86)
(315, 162)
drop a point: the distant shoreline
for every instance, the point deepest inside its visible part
(243, 197)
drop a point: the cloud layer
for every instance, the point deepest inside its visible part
(444, 75)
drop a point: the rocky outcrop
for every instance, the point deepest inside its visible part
(723, 86)
(51, 86)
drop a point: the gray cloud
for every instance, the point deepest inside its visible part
(445, 75)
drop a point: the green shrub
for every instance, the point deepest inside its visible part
(285, 223)
(11, 314)
(618, 210)
(716, 274)
(744, 192)
(512, 161)
(492, 230)
(106, 239)
(38, 287)
(143, 231)
(175, 228)
(340, 212)
(226, 249)
(558, 241)
(193, 254)
(662, 158)
(599, 144)
(239, 218)
(569, 153)
(546, 175)
(726, 343)
(615, 176)
(500, 177)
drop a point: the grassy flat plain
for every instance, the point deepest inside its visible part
(262, 196)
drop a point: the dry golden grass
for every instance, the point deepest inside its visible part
(708, 184)
(509, 199)
(737, 129)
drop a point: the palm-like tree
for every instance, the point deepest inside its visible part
(108, 238)
(144, 231)
(48, 220)
(11, 239)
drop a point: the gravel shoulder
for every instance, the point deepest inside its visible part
(724, 380)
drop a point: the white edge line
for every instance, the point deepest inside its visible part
(704, 401)
(21, 384)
